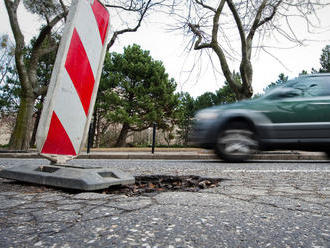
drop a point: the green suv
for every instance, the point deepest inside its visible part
(293, 116)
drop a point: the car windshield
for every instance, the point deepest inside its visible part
(273, 92)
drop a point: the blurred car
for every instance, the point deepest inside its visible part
(295, 115)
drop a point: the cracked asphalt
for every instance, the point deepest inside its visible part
(258, 204)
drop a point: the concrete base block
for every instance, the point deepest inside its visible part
(70, 177)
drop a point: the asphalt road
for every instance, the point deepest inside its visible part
(260, 204)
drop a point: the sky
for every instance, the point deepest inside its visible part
(169, 47)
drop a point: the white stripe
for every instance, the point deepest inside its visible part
(89, 34)
(69, 110)
(277, 171)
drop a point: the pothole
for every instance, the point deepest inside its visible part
(159, 183)
(144, 185)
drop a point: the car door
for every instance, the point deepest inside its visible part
(317, 108)
(302, 113)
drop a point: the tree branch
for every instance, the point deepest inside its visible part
(198, 44)
(130, 8)
(219, 51)
(128, 30)
(47, 50)
(12, 13)
(239, 26)
(269, 18)
(257, 20)
(43, 34)
(201, 3)
(19, 40)
(64, 8)
(38, 51)
(216, 18)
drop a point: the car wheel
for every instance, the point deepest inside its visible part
(236, 143)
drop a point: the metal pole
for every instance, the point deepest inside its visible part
(90, 138)
(153, 138)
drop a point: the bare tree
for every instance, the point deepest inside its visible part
(221, 25)
(129, 14)
(51, 12)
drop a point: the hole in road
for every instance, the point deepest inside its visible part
(160, 183)
(144, 185)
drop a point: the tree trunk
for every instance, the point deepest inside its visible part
(246, 71)
(35, 128)
(20, 137)
(27, 73)
(121, 141)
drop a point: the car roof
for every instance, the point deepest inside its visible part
(304, 78)
(315, 75)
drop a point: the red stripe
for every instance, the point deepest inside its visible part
(102, 18)
(58, 141)
(80, 71)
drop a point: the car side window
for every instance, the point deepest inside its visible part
(324, 88)
(320, 88)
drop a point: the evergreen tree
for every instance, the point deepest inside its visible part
(136, 92)
(282, 79)
(185, 117)
(205, 100)
(325, 59)
(225, 95)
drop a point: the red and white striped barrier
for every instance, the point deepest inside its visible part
(71, 95)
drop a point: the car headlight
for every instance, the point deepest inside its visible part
(207, 115)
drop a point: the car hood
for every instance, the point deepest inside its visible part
(244, 104)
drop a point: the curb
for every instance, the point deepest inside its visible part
(159, 156)
(177, 156)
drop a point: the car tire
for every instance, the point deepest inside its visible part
(236, 142)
